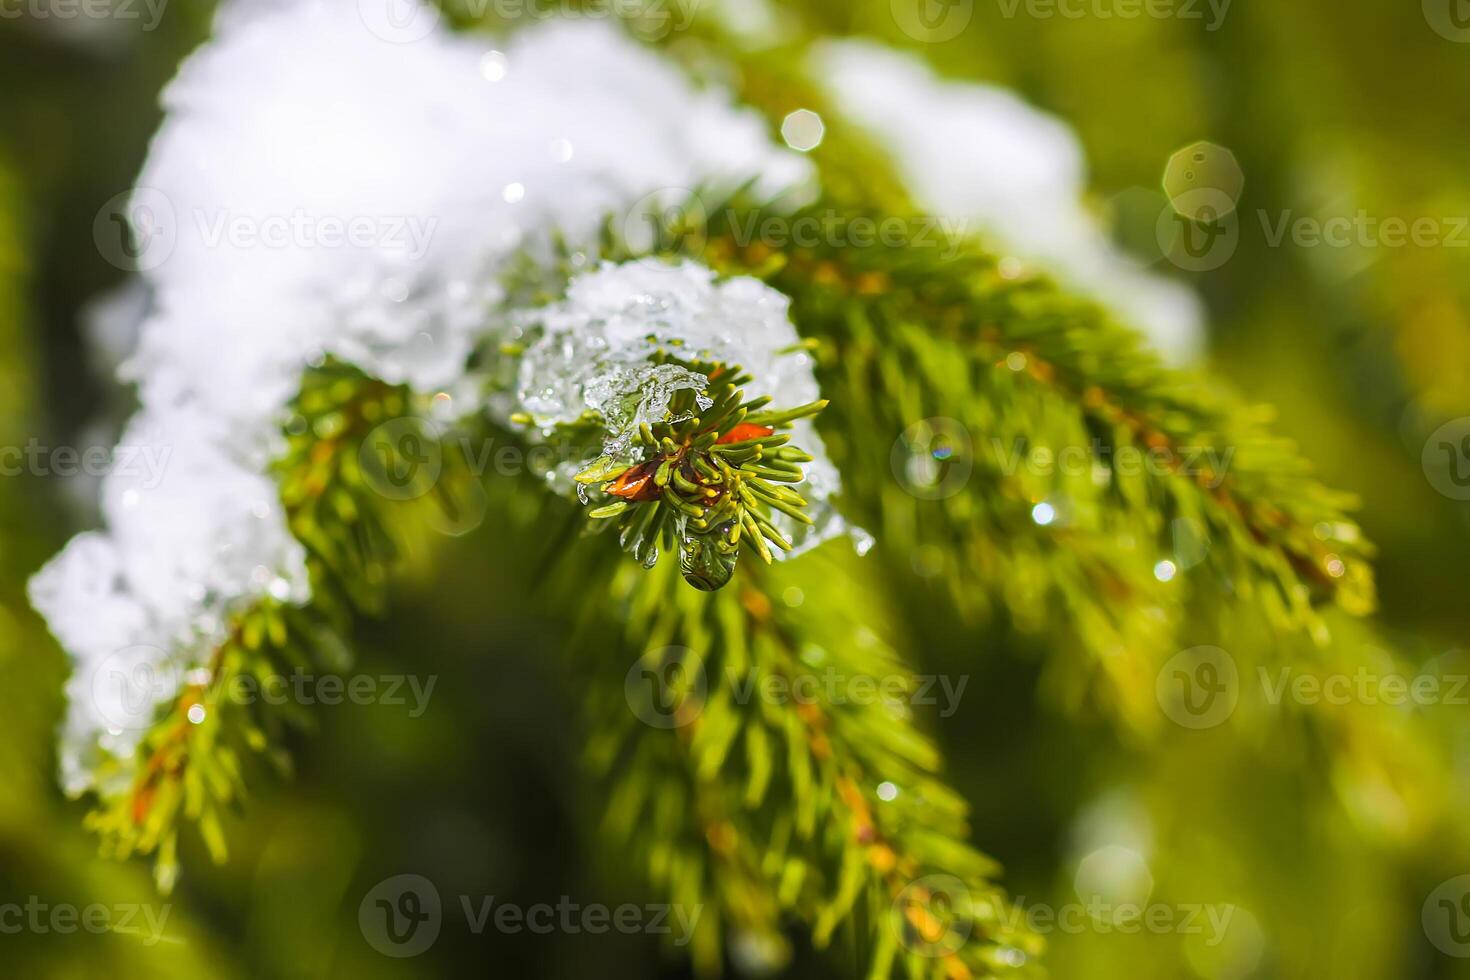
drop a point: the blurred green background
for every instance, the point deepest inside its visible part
(1329, 108)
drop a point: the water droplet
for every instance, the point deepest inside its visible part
(707, 560)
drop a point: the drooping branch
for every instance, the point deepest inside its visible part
(1042, 456)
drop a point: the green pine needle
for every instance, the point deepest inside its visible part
(706, 483)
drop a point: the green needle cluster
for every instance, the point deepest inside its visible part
(706, 482)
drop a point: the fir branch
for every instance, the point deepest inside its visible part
(765, 807)
(192, 765)
(1022, 366)
(706, 482)
(835, 801)
(749, 806)
(1288, 527)
(996, 370)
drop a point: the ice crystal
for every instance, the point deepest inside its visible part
(591, 353)
(335, 189)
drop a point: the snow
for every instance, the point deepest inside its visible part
(193, 535)
(590, 353)
(980, 154)
(195, 528)
(321, 185)
(615, 317)
(299, 123)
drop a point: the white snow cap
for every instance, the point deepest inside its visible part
(980, 153)
(195, 528)
(618, 315)
(192, 535)
(338, 186)
(330, 179)
(591, 352)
